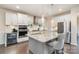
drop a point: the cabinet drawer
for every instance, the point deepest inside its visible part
(22, 39)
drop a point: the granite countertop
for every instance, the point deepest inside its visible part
(43, 36)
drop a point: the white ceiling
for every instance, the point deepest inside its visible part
(40, 9)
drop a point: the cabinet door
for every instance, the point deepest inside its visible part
(14, 20)
(24, 18)
(2, 38)
(20, 20)
(22, 39)
(30, 20)
(8, 20)
(11, 18)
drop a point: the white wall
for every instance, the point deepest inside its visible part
(73, 18)
(74, 14)
(2, 27)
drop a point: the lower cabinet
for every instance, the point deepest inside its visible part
(2, 38)
(22, 39)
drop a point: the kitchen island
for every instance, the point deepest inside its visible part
(38, 42)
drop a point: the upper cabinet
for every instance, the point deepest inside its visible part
(24, 19)
(11, 18)
(29, 19)
(18, 19)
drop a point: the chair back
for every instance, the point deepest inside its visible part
(60, 42)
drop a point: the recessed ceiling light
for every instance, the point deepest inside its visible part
(60, 10)
(18, 7)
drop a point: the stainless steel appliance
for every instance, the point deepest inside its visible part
(22, 30)
(60, 27)
(68, 39)
(11, 38)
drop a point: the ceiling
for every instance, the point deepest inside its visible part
(40, 9)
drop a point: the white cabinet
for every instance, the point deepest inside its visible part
(22, 39)
(18, 19)
(2, 38)
(30, 19)
(24, 19)
(11, 18)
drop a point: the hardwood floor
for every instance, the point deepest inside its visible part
(22, 48)
(71, 49)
